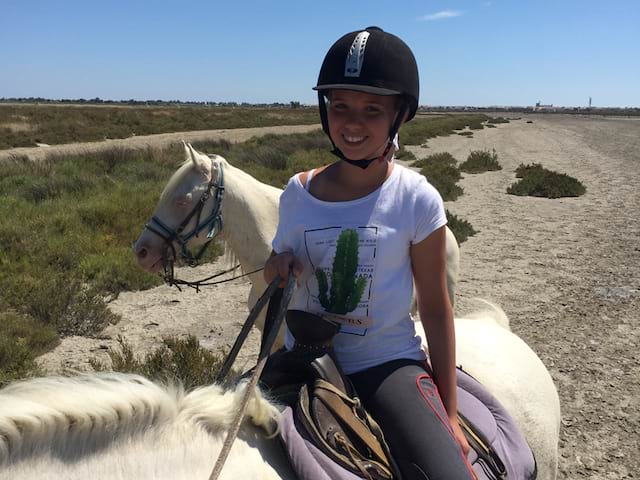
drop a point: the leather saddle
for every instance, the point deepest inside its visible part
(309, 380)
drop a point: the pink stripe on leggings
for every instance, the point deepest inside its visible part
(445, 421)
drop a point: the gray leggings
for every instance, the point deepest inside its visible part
(402, 398)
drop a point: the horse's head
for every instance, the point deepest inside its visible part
(187, 215)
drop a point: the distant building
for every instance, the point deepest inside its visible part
(540, 107)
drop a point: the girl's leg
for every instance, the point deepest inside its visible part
(401, 397)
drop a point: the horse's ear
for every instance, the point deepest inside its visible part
(215, 163)
(200, 161)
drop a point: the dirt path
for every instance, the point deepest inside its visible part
(566, 271)
(156, 141)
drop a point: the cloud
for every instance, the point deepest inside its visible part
(440, 15)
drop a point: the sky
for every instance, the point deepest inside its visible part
(469, 52)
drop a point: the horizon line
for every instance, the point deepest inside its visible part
(292, 103)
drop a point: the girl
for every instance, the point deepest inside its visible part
(358, 233)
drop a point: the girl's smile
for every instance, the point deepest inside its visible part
(359, 122)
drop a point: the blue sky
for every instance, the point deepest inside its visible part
(470, 52)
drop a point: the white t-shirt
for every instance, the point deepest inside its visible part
(369, 288)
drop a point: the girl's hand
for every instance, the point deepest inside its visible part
(280, 264)
(459, 436)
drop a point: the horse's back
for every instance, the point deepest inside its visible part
(514, 374)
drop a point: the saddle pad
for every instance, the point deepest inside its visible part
(309, 462)
(474, 402)
(498, 427)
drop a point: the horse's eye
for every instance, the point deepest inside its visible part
(184, 200)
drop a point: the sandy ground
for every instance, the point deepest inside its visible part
(566, 271)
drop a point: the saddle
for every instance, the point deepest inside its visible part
(328, 435)
(323, 403)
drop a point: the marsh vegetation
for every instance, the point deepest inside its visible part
(537, 181)
(480, 161)
(442, 172)
(28, 125)
(69, 222)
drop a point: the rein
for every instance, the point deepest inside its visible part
(172, 281)
(265, 349)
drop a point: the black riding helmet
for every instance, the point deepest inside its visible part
(372, 61)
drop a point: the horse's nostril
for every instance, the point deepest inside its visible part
(142, 253)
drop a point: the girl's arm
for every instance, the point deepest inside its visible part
(428, 262)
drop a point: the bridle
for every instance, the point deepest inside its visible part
(212, 224)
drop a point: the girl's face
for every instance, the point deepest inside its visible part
(359, 122)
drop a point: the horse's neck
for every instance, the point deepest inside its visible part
(250, 215)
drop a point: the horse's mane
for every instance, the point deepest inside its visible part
(86, 413)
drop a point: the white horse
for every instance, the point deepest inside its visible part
(250, 212)
(486, 347)
(108, 426)
(121, 426)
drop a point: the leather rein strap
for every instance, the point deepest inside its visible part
(265, 350)
(270, 293)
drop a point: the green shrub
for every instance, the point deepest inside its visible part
(529, 121)
(460, 228)
(21, 339)
(440, 158)
(178, 359)
(466, 133)
(529, 169)
(405, 155)
(496, 120)
(480, 161)
(273, 159)
(61, 302)
(537, 181)
(66, 241)
(441, 172)
(420, 129)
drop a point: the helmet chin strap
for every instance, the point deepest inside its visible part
(364, 163)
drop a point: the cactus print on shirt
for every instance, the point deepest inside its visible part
(343, 262)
